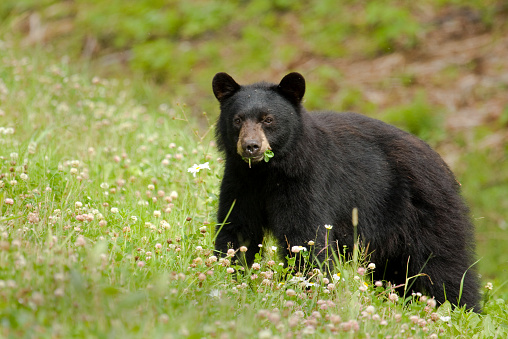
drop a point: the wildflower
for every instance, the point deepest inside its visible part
(80, 241)
(231, 252)
(164, 224)
(157, 214)
(291, 292)
(141, 264)
(488, 286)
(328, 227)
(164, 318)
(196, 168)
(331, 287)
(151, 187)
(393, 297)
(371, 266)
(158, 246)
(173, 195)
(23, 176)
(309, 330)
(297, 249)
(103, 223)
(362, 288)
(230, 270)
(378, 283)
(414, 319)
(370, 309)
(431, 303)
(78, 204)
(274, 248)
(59, 292)
(336, 276)
(310, 243)
(361, 270)
(212, 258)
(114, 210)
(9, 201)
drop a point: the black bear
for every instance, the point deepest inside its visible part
(324, 165)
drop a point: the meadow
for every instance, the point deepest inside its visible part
(107, 223)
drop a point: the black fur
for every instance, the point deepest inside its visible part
(324, 165)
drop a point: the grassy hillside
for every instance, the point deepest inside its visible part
(105, 233)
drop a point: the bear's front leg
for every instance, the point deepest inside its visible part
(241, 227)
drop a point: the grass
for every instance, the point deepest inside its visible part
(104, 232)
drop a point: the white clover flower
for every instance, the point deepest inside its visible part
(114, 210)
(336, 277)
(328, 227)
(196, 168)
(297, 249)
(445, 319)
(23, 176)
(371, 266)
(370, 309)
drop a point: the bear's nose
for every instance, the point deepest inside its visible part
(252, 146)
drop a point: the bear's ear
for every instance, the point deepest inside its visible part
(293, 87)
(224, 86)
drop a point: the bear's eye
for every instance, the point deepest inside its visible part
(237, 121)
(268, 120)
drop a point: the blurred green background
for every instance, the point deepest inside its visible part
(437, 68)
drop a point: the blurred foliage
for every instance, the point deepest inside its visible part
(418, 118)
(172, 41)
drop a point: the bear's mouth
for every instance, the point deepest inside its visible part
(253, 160)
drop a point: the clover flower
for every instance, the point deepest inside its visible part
(196, 168)
(328, 227)
(297, 249)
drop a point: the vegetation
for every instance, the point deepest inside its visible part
(104, 231)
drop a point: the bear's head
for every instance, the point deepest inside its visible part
(258, 118)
